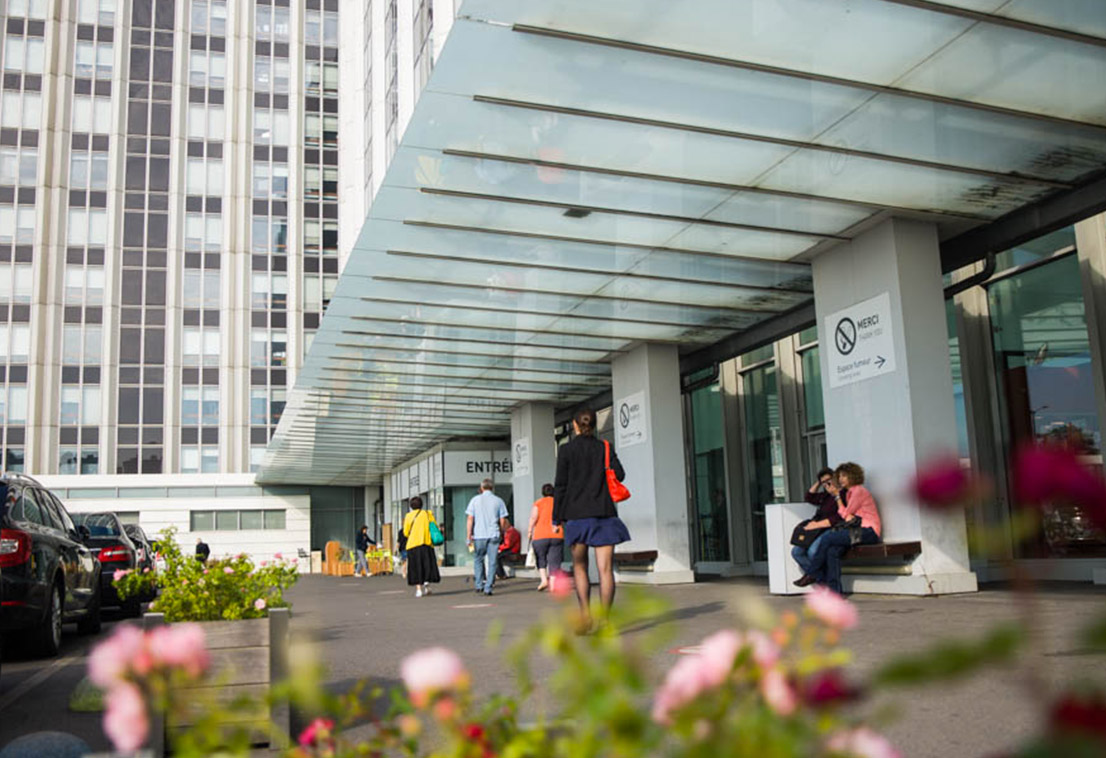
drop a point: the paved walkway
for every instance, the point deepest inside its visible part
(367, 625)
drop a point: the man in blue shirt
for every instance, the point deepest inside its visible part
(487, 519)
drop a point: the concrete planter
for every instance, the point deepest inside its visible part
(246, 657)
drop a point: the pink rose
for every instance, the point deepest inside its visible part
(828, 688)
(432, 670)
(279, 556)
(119, 574)
(765, 650)
(862, 743)
(109, 661)
(831, 608)
(317, 732)
(682, 684)
(943, 483)
(717, 655)
(1047, 473)
(228, 570)
(180, 646)
(560, 584)
(259, 604)
(264, 563)
(125, 721)
(777, 692)
(295, 561)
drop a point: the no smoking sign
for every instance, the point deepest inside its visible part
(863, 344)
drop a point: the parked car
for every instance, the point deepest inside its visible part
(117, 552)
(143, 544)
(49, 574)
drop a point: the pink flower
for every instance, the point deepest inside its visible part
(943, 483)
(682, 684)
(766, 652)
(228, 570)
(259, 604)
(777, 692)
(432, 670)
(318, 730)
(717, 655)
(180, 646)
(828, 687)
(264, 563)
(279, 556)
(146, 570)
(1047, 473)
(125, 721)
(295, 561)
(560, 584)
(109, 661)
(831, 608)
(862, 743)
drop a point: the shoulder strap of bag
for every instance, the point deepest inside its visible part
(606, 454)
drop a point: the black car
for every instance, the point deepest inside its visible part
(117, 553)
(48, 574)
(142, 543)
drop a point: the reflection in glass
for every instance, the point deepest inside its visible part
(708, 461)
(765, 449)
(1043, 362)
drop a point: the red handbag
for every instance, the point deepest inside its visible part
(617, 488)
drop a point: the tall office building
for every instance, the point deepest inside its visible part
(168, 227)
(168, 244)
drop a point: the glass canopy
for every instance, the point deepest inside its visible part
(578, 178)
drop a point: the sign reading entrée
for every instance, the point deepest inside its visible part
(861, 345)
(630, 425)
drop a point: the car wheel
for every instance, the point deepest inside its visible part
(49, 633)
(90, 623)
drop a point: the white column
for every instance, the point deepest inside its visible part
(892, 417)
(533, 458)
(649, 439)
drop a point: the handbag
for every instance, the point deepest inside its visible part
(531, 558)
(436, 536)
(803, 537)
(618, 489)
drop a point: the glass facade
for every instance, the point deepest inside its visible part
(764, 448)
(710, 502)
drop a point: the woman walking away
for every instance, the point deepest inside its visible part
(582, 503)
(861, 527)
(548, 541)
(422, 562)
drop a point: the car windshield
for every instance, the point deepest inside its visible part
(99, 524)
(134, 532)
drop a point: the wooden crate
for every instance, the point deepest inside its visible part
(246, 657)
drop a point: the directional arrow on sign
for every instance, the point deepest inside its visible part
(880, 360)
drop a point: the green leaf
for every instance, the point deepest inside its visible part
(953, 659)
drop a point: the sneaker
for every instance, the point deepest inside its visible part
(426, 589)
(489, 593)
(418, 591)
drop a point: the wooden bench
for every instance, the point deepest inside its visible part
(512, 559)
(642, 560)
(882, 558)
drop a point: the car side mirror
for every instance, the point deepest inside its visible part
(83, 533)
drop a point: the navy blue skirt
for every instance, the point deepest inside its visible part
(596, 532)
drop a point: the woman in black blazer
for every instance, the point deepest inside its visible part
(582, 502)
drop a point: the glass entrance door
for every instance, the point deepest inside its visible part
(710, 505)
(1043, 367)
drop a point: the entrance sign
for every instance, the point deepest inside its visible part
(521, 453)
(473, 466)
(861, 345)
(630, 424)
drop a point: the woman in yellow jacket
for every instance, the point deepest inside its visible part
(422, 561)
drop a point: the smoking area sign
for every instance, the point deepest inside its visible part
(861, 345)
(629, 423)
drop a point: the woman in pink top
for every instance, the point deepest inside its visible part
(861, 510)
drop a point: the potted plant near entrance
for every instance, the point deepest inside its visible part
(239, 607)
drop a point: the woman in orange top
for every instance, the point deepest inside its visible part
(547, 540)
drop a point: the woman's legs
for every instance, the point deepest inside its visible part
(583, 584)
(544, 574)
(604, 564)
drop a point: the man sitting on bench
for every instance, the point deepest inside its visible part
(509, 549)
(861, 527)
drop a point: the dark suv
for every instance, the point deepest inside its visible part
(117, 552)
(48, 574)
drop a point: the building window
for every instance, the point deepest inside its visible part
(101, 12)
(234, 520)
(200, 347)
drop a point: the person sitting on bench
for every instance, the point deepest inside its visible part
(825, 494)
(861, 527)
(510, 547)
